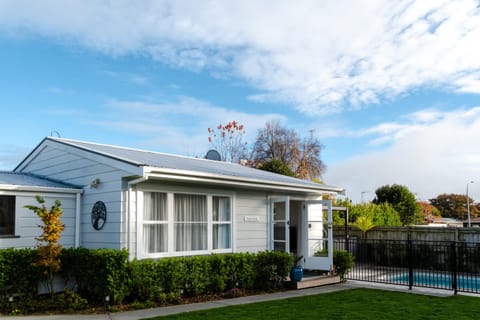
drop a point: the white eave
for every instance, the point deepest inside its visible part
(195, 176)
(11, 187)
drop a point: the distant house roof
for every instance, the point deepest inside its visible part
(14, 180)
(188, 165)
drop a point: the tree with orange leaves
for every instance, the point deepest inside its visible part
(426, 212)
(47, 244)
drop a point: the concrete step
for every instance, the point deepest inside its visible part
(314, 281)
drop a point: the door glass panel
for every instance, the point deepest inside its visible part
(279, 211)
(279, 231)
(280, 246)
(319, 255)
(280, 225)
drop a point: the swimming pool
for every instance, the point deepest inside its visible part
(439, 280)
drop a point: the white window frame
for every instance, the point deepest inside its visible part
(141, 254)
(222, 222)
(156, 222)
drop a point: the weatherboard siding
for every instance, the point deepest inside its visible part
(27, 222)
(72, 164)
(78, 167)
(250, 221)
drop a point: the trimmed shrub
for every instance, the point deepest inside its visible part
(17, 271)
(96, 273)
(343, 261)
(271, 268)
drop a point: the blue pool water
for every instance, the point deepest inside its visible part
(439, 280)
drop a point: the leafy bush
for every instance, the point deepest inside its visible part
(18, 275)
(271, 267)
(343, 261)
(164, 280)
(96, 273)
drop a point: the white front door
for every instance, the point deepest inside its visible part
(318, 236)
(280, 219)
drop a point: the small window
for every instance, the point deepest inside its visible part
(155, 228)
(222, 222)
(7, 215)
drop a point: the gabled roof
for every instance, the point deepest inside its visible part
(183, 165)
(26, 180)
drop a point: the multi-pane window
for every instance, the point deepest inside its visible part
(155, 222)
(7, 215)
(176, 223)
(222, 222)
(190, 217)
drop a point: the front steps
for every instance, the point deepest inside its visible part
(314, 281)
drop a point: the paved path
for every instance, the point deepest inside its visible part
(163, 311)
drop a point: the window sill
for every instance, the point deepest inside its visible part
(8, 237)
(183, 253)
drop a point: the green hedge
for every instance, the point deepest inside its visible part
(168, 279)
(18, 277)
(95, 274)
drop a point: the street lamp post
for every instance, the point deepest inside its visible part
(468, 206)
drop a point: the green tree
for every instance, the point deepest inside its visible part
(386, 215)
(402, 200)
(454, 206)
(382, 214)
(365, 223)
(277, 166)
(338, 217)
(47, 244)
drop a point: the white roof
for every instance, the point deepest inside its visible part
(190, 165)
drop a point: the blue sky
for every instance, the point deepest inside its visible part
(392, 88)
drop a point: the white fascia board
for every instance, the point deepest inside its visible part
(183, 175)
(11, 187)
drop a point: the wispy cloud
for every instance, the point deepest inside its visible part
(435, 152)
(134, 78)
(316, 55)
(179, 126)
(60, 91)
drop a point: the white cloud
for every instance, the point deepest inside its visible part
(176, 127)
(134, 78)
(315, 55)
(430, 155)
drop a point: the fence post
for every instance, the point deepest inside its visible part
(410, 263)
(453, 254)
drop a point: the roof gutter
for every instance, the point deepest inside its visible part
(251, 183)
(39, 189)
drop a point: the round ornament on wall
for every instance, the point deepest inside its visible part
(99, 215)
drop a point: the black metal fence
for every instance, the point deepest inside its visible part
(442, 265)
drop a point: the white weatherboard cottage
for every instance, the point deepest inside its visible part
(158, 205)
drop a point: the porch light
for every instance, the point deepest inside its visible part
(95, 183)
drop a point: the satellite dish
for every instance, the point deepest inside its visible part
(213, 155)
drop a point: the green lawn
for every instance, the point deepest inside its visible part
(349, 304)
